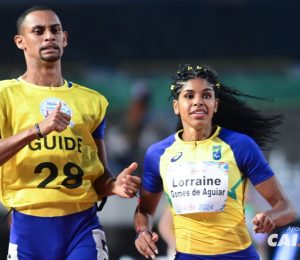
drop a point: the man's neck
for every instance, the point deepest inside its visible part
(44, 76)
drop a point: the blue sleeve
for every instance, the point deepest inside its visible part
(249, 158)
(152, 180)
(99, 131)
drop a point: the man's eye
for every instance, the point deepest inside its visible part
(38, 31)
(56, 30)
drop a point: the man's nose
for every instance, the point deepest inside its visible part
(49, 35)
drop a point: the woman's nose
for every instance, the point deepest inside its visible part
(198, 102)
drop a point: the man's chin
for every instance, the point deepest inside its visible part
(50, 58)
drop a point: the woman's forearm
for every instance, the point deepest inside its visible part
(282, 213)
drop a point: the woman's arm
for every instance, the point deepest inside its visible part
(146, 239)
(282, 212)
(166, 229)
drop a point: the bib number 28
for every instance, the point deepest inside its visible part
(71, 170)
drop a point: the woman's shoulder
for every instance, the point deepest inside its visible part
(162, 144)
(235, 138)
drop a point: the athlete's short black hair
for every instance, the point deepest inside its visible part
(34, 8)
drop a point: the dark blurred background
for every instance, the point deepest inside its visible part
(129, 49)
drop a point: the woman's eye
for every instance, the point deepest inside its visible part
(189, 96)
(206, 96)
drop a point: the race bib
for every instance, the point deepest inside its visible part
(198, 187)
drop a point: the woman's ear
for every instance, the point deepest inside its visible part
(175, 107)
(216, 105)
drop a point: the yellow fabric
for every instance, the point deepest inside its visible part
(194, 233)
(55, 209)
(61, 167)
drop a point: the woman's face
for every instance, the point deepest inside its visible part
(196, 104)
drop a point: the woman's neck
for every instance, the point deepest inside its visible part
(192, 134)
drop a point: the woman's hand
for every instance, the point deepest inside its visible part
(145, 243)
(263, 223)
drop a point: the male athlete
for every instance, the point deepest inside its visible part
(52, 153)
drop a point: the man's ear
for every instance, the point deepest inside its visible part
(65, 39)
(175, 107)
(19, 41)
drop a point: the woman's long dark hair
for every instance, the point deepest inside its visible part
(233, 112)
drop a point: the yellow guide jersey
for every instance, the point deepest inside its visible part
(204, 182)
(61, 167)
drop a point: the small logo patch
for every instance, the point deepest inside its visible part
(216, 152)
(176, 157)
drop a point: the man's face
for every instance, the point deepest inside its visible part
(41, 37)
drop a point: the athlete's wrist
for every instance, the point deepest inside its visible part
(142, 230)
(38, 131)
(112, 187)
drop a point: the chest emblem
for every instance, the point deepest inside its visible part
(49, 104)
(216, 152)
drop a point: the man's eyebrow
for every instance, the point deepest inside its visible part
(52, 25)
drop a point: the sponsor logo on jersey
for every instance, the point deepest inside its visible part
(176, 157)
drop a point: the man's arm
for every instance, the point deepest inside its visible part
(55, 121)
(13, 144)
(124, 185)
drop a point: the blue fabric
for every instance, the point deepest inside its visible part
(55, 238)
(99, 131)
(153, 182)
(249, 253)
(248, 156)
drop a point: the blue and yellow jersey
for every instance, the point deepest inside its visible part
(204, 182)
(61, 167)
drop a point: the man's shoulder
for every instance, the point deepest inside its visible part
(8, 83)
(85, 89)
